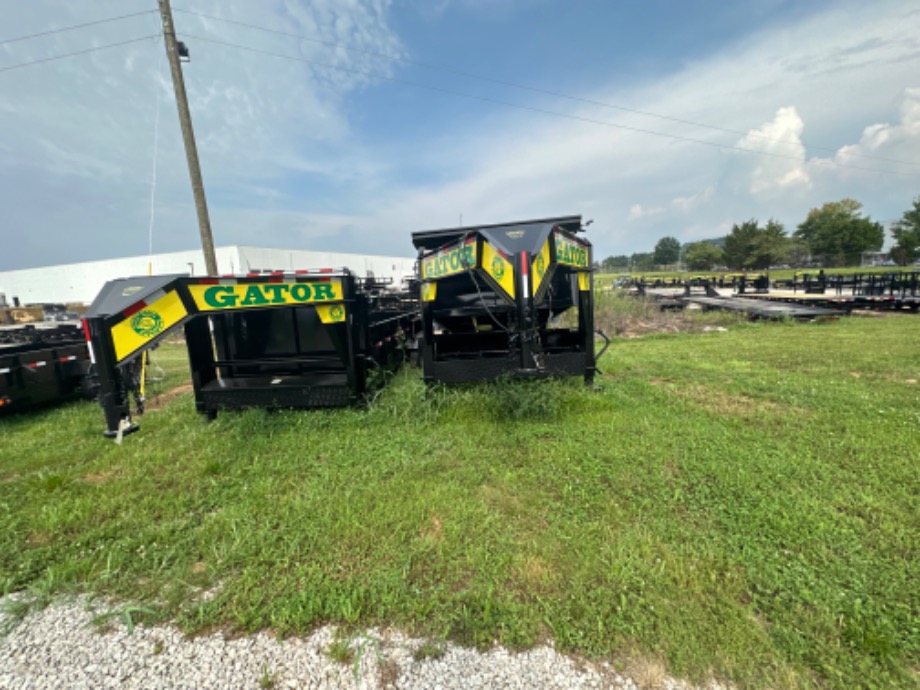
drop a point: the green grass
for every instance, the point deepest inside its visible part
(741, 505)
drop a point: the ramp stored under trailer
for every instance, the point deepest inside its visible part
(492, 297)
(296, 339)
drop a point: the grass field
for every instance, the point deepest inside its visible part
(740, 505)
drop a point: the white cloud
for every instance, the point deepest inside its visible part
(527, 166)
(82, 129)
(782, 167)
(688, 204)
(636, 211)
(892, 146)
(275, 135)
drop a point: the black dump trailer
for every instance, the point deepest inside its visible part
(492, 297)
(41, 363)
(296, 339)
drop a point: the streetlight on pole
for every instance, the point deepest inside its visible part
(173, 51)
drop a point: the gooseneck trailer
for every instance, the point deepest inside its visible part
(493, 298)
(296, 339)
(512, 299)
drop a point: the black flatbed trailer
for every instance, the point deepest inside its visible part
(42, 363)
(751, 305)
(845, 302)
(762, 309)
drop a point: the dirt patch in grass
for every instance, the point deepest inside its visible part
(649, 674)
(388, 673)
(729, 404)
(97, 478)
(163, 399)
(36, 539)
(434, 530)
(875, 314)
(536, 574)
(636, 328)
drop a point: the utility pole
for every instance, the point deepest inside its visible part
(191, 151)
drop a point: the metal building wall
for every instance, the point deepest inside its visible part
(81, 282)
(259, 258)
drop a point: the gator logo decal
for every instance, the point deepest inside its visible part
(337, 312)
(498, 268)
(242, 295)
(458, 259)
(570, 252)
(147, 323)
(150, 322)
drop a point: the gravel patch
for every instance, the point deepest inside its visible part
(60, 647)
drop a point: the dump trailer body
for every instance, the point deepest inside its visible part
(491, 297)
(41, 364)
(297, 339)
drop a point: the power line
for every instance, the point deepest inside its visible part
(75, 26)
(544, 111)
(77, 52)
(533, 89)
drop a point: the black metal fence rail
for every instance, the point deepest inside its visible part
(894, 284)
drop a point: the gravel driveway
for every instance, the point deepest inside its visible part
(60, 647)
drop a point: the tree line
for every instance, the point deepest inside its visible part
(836, 234)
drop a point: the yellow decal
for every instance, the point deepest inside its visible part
(143, 326)
(429, 292)
(499, 268)
(584, 281)
(331, 313)
(539, 267)
(243, 295)
(451, 261)
(570, 253)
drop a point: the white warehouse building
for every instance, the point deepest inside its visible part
(80, 283)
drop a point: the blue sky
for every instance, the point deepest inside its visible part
(343, 148)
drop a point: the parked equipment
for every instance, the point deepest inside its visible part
(492, 297)
(41, 364)
(298, 339)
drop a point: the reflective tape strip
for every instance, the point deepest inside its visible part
(5, 371)
(524, 274)
(35, 365)
(133, 309)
